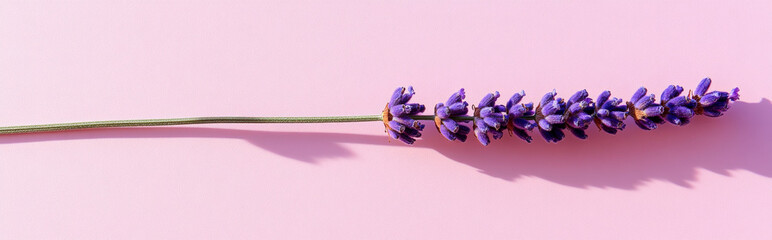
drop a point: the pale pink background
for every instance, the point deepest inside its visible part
(79, 61)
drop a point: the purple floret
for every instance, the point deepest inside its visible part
(550, 117)
(715, 103)
(517, 113)
(580, 111)
(455, 106)
(610, 113)
(489, 118)
(396, 116)
(644, 110)
(678, 110)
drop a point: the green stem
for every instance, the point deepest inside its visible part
(182, 121)
(201, 120)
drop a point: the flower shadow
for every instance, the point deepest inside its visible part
(736, 141)
(740, 140)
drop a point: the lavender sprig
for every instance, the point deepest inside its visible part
(401, 118)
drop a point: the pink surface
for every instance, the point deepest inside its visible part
(80, 61)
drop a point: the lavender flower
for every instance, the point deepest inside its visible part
(609, 114)
(455, 106)
(550, 116)
(488, 118)
(715, 103)
(580, 110)
(396, 116)
(516, 112)
(678, 109)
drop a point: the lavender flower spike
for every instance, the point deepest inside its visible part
(715, 103)
(396, 116)
(609, 114)
(516, 111)
(488, 118)
(579, 113)
(644, 110)
(455, 106)
(678, 109)
(550, 117)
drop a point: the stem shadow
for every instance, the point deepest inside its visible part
(302, 146)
